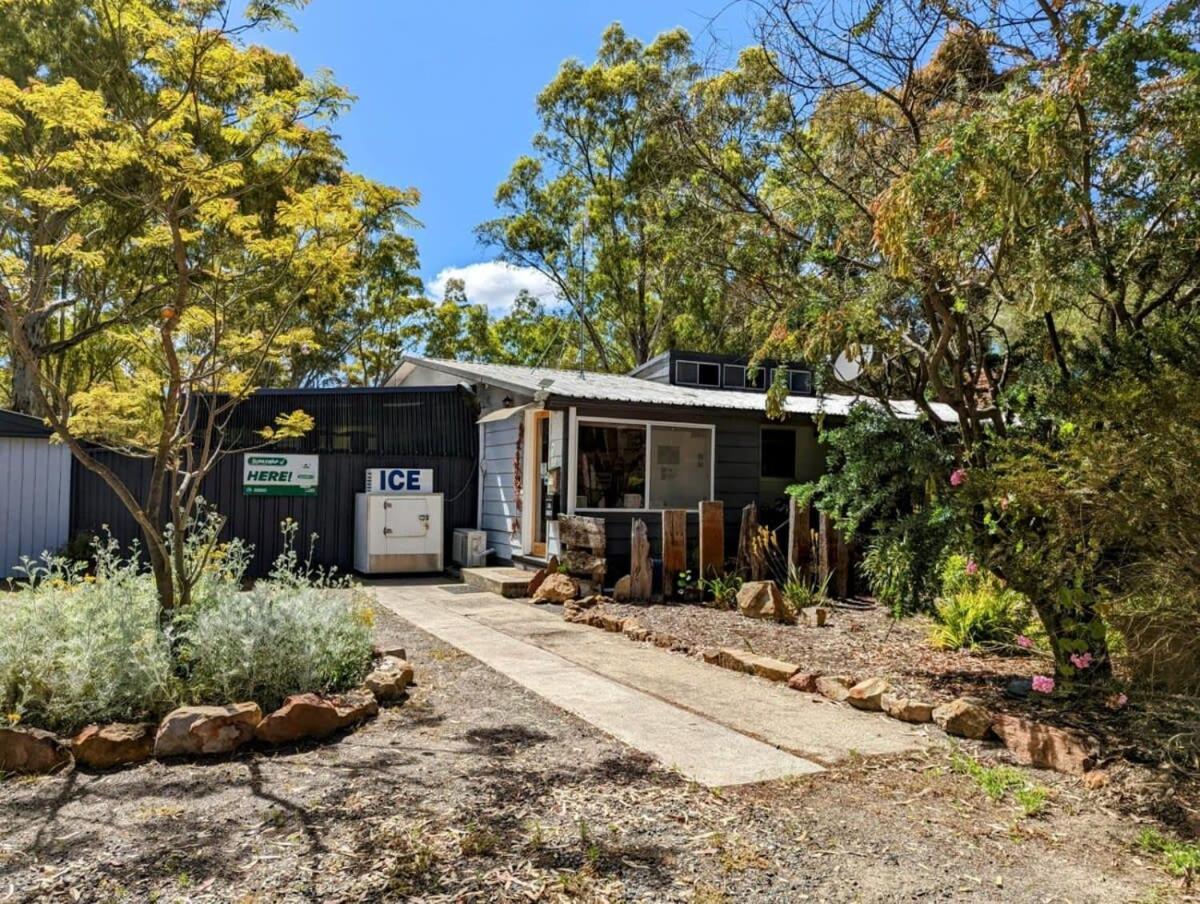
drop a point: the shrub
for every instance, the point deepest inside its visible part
(976, 610)
(801, 591)
(276, 640)
(77, 649)
(724, 590)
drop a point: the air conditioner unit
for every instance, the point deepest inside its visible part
(469, 548)
(397, 532)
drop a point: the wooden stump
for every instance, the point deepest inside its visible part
(641, 578)
(842, 568)
(799, 537)
(750, 562)
(712, 538)
(674, 547)
(826, 549)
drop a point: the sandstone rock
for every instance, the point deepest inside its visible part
(118, 744)
(557, 588)
(866, 695)
(835, 687)
(754, 664)
(379, 652)
(389, 680)
(963, 718)
(541, 574)
(32, 751)
(1036, 744)
(354, 706)
(312, 716)
(762, 599)
(622, 589)
(711, 655)
(195, 730)
(1096, 779)
(589, 602)
(669, 642)
(635, 630)
(906, 710)
(814, 616)
(609, 622)
(804, 681)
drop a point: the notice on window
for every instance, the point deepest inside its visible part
(264, 474)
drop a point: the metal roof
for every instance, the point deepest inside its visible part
(13, 423)
(545, 382)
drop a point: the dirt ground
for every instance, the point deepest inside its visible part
(477, 790)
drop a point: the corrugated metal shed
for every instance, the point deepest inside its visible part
(355, 429)
(35, 491)
(598, 387)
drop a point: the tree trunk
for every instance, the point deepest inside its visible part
(25, 378)
(1066, 628)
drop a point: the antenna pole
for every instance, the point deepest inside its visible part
(582, 286)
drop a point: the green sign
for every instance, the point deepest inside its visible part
(279, 475)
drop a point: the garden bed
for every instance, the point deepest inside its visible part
(1157, 732)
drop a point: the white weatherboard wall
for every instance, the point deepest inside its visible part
(499, 506)
(35, 499)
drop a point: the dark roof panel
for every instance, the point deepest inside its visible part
(13, 423)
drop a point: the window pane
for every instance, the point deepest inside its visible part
(779, 453)
(735, 376)
(800, 381)
(611, 466)
(685, 372)
(681, 467)
(709, 374)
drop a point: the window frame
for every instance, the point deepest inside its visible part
(648, 426)
(763, 375)
(697, 365)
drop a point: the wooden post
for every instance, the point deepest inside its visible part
(641, 578)
(674, 547)
(712, 538)
(843, 566)
(826, 553)
(799, 537)
(749, 561)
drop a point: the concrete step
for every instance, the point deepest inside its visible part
(509, 582)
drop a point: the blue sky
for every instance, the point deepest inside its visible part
(446, 94)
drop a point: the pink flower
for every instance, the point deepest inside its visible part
(1043, 684)
(1081, 660)
(972, 567)
(1025, 643)
(958, 476)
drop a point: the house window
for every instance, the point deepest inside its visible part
(612, 466)
(800, 381)
(697, 373)
(680, 466)
(642, 466)
(779, 453)
(738, 376)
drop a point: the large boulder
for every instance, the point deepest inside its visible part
(762, 599)
(906, 710)
(389, 679)
(206, 730)
(557, 588)
(1035, 744)
(963, 718)
(32, 751)
(118, 744)
(313, 716)
(867, 694)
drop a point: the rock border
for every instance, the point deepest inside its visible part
(1031, 743)
(202, 731)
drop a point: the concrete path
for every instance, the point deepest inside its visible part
(716, 726)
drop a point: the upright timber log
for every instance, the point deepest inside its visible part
(712, 539)
(674, 551)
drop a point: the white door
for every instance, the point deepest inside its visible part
(406, 524)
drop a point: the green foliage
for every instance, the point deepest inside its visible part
(1181, 858)
(976, 610)
(998, 782)
(884, 487)
(724, 589)
(801, 591)
(78, 648)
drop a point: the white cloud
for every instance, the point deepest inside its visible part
(494, 284)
